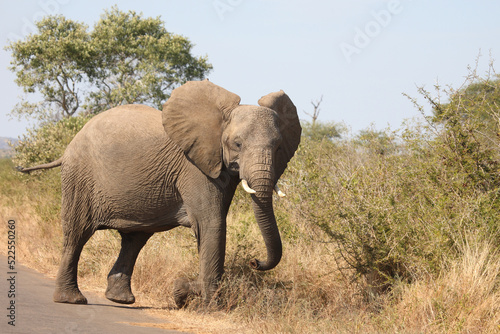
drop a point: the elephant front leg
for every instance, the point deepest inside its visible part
(119, 289)
(211, 249)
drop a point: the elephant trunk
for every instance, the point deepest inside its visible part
(263, 184)
(263, 210)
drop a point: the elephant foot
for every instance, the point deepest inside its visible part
(182, 290)
(73, 296)
(121, 297)
(185, 290)
(119, 290)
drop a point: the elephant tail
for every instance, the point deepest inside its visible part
(49, 165)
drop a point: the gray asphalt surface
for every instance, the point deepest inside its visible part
(35, 312)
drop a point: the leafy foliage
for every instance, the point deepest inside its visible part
(402, 214)
(321, 130)
(47, 142)
(381, 142)
(470, 131)
(126, 58)
(478, 100)
(139, 61)
(317, 130)
(54, 63)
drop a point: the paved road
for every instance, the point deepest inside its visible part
(36, 313)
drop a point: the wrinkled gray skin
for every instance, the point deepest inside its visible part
(126, 171)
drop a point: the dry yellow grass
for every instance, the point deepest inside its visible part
(465, 299)
(306, 293)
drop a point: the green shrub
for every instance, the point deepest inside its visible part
(320, 130)
(470, 138)
(47, 142)
(380, 142)
(402, 214)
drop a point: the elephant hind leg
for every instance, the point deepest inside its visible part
(119, 289)
(67, 290)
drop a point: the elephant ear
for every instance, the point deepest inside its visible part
(289, 127)
(193, 117)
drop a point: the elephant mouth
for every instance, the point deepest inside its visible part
(233, 167)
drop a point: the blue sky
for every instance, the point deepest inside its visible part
(359, 55)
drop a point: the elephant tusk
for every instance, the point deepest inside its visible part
(279, 192)
(249, 190)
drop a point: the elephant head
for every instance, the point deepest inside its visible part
(219, 135)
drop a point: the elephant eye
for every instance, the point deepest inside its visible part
(237, 143)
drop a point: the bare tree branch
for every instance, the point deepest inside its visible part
(316, 110)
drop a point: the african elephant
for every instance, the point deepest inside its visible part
(126, 171)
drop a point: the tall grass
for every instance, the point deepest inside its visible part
(464, 298)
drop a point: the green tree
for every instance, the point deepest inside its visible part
(316, 130)
(126, 58)
(468, 127)
(380, 142)
(479, 99)
(53, 63)
(139, 61)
